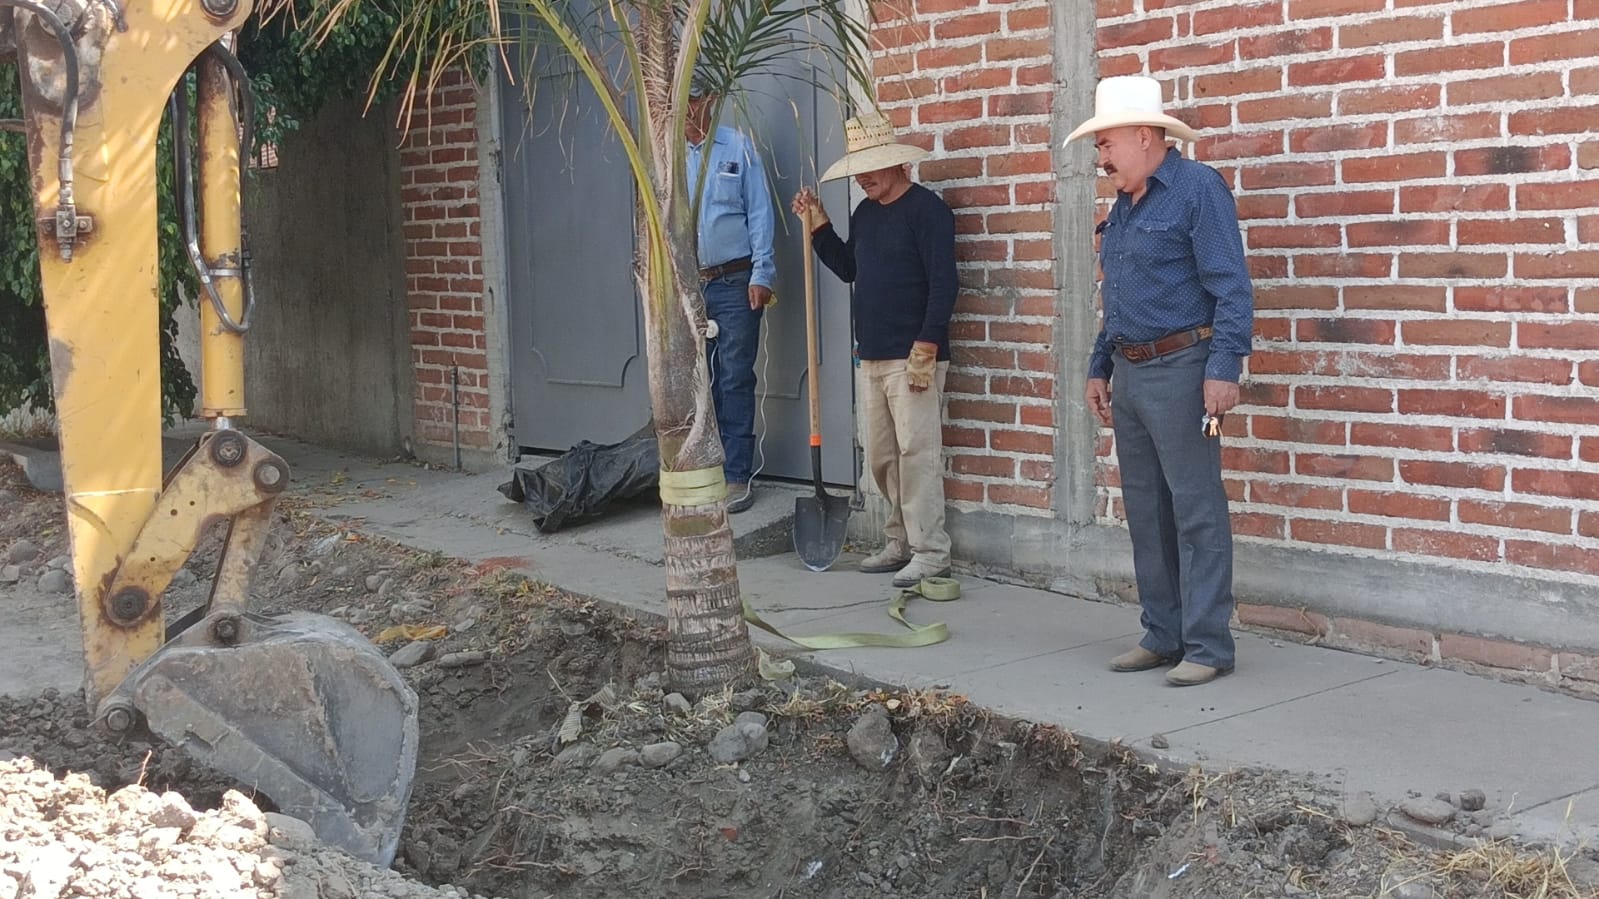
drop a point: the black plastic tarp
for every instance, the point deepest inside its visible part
(582, 483)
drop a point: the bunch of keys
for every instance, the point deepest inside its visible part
(1210, 425)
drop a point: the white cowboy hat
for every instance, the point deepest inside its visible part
(869, 146)
(1130, 100)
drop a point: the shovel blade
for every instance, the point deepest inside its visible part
(820, 525)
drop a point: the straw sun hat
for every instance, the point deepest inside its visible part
(1130, 100)
(869, 146)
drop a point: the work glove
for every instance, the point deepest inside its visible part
(920, 365)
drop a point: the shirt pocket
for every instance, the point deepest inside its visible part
(1157, 242)
(726, 189)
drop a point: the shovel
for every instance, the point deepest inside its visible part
(820, 521)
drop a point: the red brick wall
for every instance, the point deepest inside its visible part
(1420, 192)
(444, 265)
(973, 82)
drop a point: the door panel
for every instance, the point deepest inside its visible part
(578, 366)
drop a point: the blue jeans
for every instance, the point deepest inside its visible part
(731, 356)
(1176, 506)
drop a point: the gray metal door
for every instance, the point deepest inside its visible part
(577, 364)
(799, 130)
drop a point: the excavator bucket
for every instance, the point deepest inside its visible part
(299, 706)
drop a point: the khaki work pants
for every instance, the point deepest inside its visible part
(905, 452)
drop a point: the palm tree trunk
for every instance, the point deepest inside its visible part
(709, 646)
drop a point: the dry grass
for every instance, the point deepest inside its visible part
(1516, 872)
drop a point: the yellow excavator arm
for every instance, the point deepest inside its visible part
(300, 706)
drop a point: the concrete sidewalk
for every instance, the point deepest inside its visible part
(1356, 722)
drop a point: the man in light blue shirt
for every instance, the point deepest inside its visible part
(737, 270)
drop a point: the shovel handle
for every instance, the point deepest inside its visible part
(812, 363)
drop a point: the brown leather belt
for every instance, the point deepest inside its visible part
(1171, 343)
(726, 268)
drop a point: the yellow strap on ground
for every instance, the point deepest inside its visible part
(937, 589)
(697, 487)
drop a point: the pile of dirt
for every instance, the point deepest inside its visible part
(66, 837)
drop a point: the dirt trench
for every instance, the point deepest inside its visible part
(555, 763)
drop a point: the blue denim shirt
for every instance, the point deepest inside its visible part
(1174, 261)
(736, 217)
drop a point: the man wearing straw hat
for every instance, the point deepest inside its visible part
(1178, 313)
(737, 270)
(901, 258)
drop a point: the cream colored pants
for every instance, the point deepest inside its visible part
(904, 450)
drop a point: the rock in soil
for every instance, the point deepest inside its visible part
(22, 551)
(738, 741)
(871, 741)
(412, 654)
(1473, 800)
(1360, 810)
(1428, 811)
(659, 755)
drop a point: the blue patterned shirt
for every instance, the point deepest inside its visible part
(736, 218)
(1175, 261)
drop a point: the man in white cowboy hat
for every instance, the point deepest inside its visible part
(1178, 314)
(737, 269)
(901, 258)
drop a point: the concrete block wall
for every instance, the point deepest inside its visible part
(1419, 186)
(445, 291)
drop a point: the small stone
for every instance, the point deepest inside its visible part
(10, 574)
(753, 718)
(55, 581)
(1360, 810)
(289, 832)
(172, 810)
(928, 753)
(1428, 811)
(183, 578)
(871, 740)
(737, 742)
(22, 551)
(574, 628)
(613, 760)
(1159, 741)
(462, 659)
(1444, 796)
(1473, 800)
(340, 572)
(412, 654)
(659, 755)
(748, 700)
(59, 563)
(1413, 889)
(677, 704)
(464, 625)
(744, 775)
(578, 755)
(374, 582)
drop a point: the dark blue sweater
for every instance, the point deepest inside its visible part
(901, 259)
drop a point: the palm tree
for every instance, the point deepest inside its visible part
(644, 54)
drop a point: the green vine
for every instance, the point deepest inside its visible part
(292, 79)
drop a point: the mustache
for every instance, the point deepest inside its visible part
(1109, 169)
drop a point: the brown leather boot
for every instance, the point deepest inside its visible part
(1192, 674)
(1139, 659)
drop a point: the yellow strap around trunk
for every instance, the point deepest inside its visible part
(696, 487)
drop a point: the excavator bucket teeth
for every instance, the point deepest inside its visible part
(299, 706)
